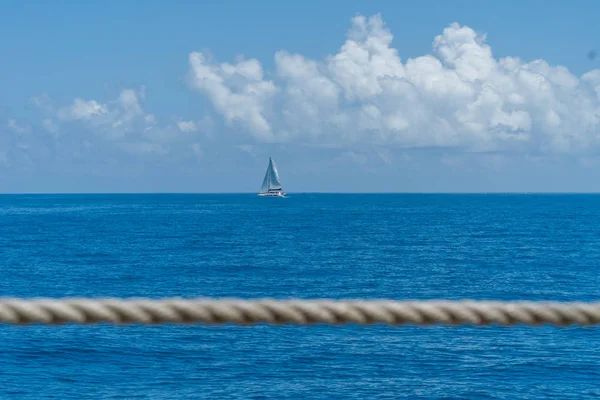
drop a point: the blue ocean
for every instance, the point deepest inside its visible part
(404, 246)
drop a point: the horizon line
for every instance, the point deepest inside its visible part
(308, 192)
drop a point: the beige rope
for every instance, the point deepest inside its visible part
(298, 312)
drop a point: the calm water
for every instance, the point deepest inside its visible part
(338, 246)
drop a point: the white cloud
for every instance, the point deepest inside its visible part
(128, 105)
(125, 124)
(17, 127)
(204, 125)
(150, 119)
(82, 110)
(459, 96)
(114, 119)
(187, 126)
(50, 126)
(238, 91)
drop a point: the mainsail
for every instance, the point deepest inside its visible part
(271, 181)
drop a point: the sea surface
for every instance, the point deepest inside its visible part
(499, 247)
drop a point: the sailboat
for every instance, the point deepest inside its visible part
(271, 186)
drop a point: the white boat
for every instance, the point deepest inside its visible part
(271, 186)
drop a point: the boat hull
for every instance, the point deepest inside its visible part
(272, 194)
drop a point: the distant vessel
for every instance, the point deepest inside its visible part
(271, 186)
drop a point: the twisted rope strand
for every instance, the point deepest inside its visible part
(298, 312)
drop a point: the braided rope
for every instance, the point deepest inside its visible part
(298, 312)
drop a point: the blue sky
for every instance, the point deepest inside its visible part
(346, 96)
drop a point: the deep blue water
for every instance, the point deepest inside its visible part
(513, 247)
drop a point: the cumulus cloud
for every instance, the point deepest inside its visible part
(114, 119)
(82, 110)
(459, 96)
(123, 124)
(238, 91)
(204, 125)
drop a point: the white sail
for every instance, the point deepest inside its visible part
(265, 185)
(271, 180)
(274, 182)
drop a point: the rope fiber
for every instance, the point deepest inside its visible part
(298, 312)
